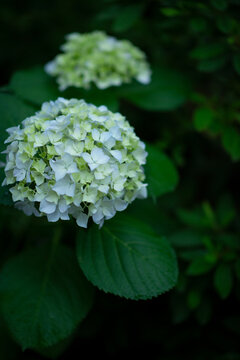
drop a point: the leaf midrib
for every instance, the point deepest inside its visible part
(132, 250)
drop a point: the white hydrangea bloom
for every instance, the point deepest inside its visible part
(99, 59)
(73, 158)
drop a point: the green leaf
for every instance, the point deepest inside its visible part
(223, 280)
(199, 266)
(202, 118)
(226, 24)
(225, 210)
(212, 65)
(34, 85)
(8, 349)
(148, 211)
(236, 63)
(237, 269)
(219, 4)
(162, 176)
(186, 238)
(208, 51)
(5, 195)
(197, 24)
(195, 218)
(231, 142)
(43, 296)
(167, 91)
(127, 17)
(170, 12)
(126, 258)
(12, 112)
(194, 299)
(204, 311)
(179, 309)
(55, 351)
(233, 323)
(107, 97)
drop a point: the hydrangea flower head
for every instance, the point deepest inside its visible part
(99, 59)
(73, 158)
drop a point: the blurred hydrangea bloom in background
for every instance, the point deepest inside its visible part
(99, 59)
(73, 158)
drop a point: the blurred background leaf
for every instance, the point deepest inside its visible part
(191, 113)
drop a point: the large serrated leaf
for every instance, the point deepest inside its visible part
(43, 296)
(161, 173)
(126, 258)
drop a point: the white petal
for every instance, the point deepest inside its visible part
(64, 216)
(110, 143)
(140, 155)
(101, 223)
(54, 137)
(95, 134)
(116, 132)
(87, 157)
(59, 148)
(82, 220)
(108, 208)
(120, 205)
(62, 205)
(50, 67)
(27, 207)
(70, 190)
(58, 168)
(103, 188)
(73, 168)
(142, 192)
(105, 136)
(117, 155)
(99, 175)
(64, 186)
(93, 166)
(144, 77)
(19, 174)
(47, 207)
(98, 216)
(118, 185)
(97, 118)
(98, 156)
(54, 216)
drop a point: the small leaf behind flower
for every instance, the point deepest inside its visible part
(34, 85)
(162, 176)
(12, 112)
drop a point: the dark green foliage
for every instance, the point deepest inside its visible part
(44, 295)
(167, 91)
(161, 174)
(33, 85)
(189, 116)
(13, 111)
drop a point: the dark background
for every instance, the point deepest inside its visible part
(192, 321)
